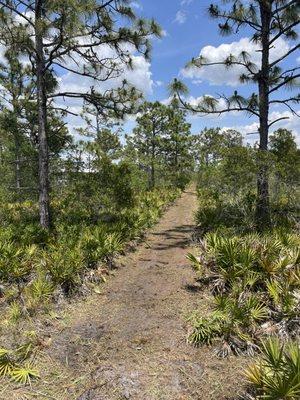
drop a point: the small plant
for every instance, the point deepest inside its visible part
(24, 374)
(195, 261)
(38, 293)
(16, 364)
(113, 244)
(276, 375)
(16, 263)
(233, 323)
(64, 265)
(14, 312)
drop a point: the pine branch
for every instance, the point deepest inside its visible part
(16, 11)
(226, 64)
(283, 31)
(277, 120)
(284, 7)
(286, 102)
(285, 55)
(235, 19)
(285, 82)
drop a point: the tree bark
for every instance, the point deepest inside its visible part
(17, 143)
(262, 215)
(152, 172)
(44, 203)
(17, 163)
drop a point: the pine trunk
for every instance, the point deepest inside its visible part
(263, 219)
(152, 172)
(44, 204)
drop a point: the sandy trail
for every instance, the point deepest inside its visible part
(130, 341)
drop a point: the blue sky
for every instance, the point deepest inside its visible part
(188, 30)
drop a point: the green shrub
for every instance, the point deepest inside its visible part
(33, 262)
(255, 280)
(276, 375)
(64, 265)
(16, 263)
(17, 365)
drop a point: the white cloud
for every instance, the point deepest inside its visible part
(186, 2)
(136, 5)
(180, 17)
(197, 81)
(250, 131)
(139, 76)
(218, 74)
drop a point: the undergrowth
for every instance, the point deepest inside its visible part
(36, 267)
(254, 280)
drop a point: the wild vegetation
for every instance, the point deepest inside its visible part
(253, 277)
(73, 199)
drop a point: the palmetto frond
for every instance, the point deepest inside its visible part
(11, 365)
(24, 375)
(277, 374)
(6, 363)
(195, 261)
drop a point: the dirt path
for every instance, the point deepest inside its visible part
(129, 342)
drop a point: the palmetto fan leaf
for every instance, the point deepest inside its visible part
(204, 331)
(280, 387)
(277, 374)
(258, 312)
(24, 374)
(113, 243)
(10, 365)
(273, 353)
(292, 355)
(254, 374)
(274, 290)
(195, 261)
(6, 364)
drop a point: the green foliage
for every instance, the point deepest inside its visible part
(227, 181)
(31, 274)
(255, 281)
(64, 265)
(24, 375)
(16, 263)
(16, 364)
(161, 144)
(276, 375)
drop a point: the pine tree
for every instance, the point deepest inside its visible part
(146, 140)
(177, 145)
(69, 35)
(268, 20)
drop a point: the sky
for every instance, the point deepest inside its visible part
(187, 31)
